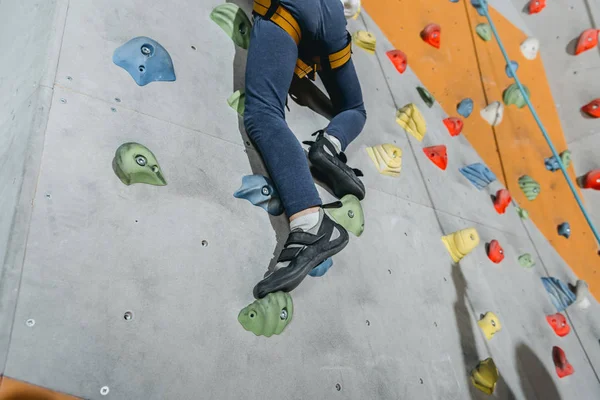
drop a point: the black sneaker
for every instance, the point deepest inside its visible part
(304, 251)
(330, 167)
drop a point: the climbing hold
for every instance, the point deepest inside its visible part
(478, 174)
(535, 6)
(135, 163)
(582, 292)
(410, 118)
(493, 113)
(530, 187)
(485, 375)
(268, 316)
(349, 213)
(387, 158)
(513, 95)
(563, 368)
(495, 252)
(234, 22)
(260, 191)
(465, 107)
(426, 96)
(523, 213)
(461, 243)
(145, 60)
(484, 31)
(365, 40)
(552, 163)
(399, 59)
(502, 200)
(587, 40)
(351, 8)
(558, 323)
(480, 6)
(490, 325)
(237, 101)
(454, 125)
(564, 229)
(514, 65)
(560, 294)
(592, 180)
(437, 155)
(592, 108)
(322, 268)
(530, 48)
(526, 260)
(432, 34)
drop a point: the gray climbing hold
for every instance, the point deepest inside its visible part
(145, 60)
(564, 229)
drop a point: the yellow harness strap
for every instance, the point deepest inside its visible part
(276, 13)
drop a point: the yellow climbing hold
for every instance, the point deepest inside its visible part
(365, 40)
(485, 375)
(461, 243)
(490, 325)
(387, 158)
(410, 118)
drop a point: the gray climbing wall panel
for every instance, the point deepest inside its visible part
(393, 318)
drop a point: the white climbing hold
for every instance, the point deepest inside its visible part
(493, 113)
(582, 294)
(530, 48)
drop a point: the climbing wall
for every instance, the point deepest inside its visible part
(131, 292)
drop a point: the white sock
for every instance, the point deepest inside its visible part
(305, 222)
(334, 141)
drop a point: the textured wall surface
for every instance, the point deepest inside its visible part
(393, 318)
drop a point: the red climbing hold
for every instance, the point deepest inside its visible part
(558, 322)
(502, 200)
(432, 35)
(438, 155)
(563, 368)
(535, 6)
(454, 125)
(592, 180)
(587, 40)
(592, 108)
(399, 59)
(495, 252)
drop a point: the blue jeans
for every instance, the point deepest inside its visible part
(269, 70)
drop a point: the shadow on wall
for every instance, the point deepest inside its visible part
(534, 376)
(467, 341)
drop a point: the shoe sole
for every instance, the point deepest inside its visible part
(289, 280)
(341, 179)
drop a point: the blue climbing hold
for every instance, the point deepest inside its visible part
(552, 163)
(560, 294)
(478, 174)
(479, 5)
(145, 60)
(260, 191)
(322, 268)
(564, 229)
(453, 1)
(515, 67)
(465, 107)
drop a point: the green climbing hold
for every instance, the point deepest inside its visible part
(565, 158)
(484, 31)
(426, 96)
(513, 95)
(135, 163)
(234, 21)
(523, 213)
(237, 101)
(526, 260)
(268, 316)
(530, 187)
(350, 214)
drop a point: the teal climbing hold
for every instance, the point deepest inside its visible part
(465, 107)
(480, 6)
(478, 174)
(426, 96)
(513, 95)
(514, 65)
(260, 191)
(484, 31)
(530, 187)
(322, 268)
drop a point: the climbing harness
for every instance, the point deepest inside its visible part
(273, 11)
